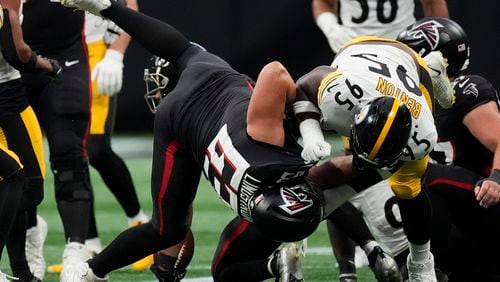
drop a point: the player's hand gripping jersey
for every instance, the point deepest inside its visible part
(368, 67)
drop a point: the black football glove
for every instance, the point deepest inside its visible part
(56, 72)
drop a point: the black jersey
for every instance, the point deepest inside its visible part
(212, 125)
(456, 143)
(49, 26)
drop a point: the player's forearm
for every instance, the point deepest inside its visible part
(122, 42)
(324, 6)
(435, 8)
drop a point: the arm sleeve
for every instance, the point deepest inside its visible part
(156, 36)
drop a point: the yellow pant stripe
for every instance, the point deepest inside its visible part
(100, 104)
(35, 133)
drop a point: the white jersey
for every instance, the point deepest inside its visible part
(7, 72)
(373, 67)
(95, 27)
(383, 18)
(380, 210)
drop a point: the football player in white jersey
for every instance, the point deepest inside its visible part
(342, 20)
(378, 92)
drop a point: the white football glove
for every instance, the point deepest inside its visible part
(113, 31)
(93, 6)
(109, 73)
(336, 34)
(315, 146)
(443, 91)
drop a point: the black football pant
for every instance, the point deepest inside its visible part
(464, 235)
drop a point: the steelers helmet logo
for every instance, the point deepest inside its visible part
(429, 31)
(360, 117)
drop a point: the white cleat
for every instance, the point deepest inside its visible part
(80, 273)
(35, 238)
(289, 259)
(443, 90)
(93, 6)
(74, 253)
(421, 271)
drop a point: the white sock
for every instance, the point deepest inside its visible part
(94, 244)
(139, 217)
(368, 247)
(420, 253)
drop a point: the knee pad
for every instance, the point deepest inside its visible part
(64, 144)
(73, 183)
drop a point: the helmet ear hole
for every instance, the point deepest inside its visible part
(439, 34)
(286, 214)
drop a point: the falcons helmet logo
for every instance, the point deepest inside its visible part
(294, 202)
(428, 31)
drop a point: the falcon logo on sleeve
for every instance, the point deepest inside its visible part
(294, 202)
(427, 30)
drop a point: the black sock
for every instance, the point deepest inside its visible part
(11, 191)
(416, 214)
(131, 245)
(75, 218)
(114, 173)
(16, 248)
(92, 230)
(31, 218)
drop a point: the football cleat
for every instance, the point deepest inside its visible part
(385, 267)
(74, 253)
(348, 277)
(421, 271)
(80, 272)
(35, 237)
(443, 90)
(289, 262)
(145, 263)
(93, 6)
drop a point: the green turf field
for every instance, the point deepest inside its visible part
(210, 216)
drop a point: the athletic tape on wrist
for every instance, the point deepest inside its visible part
(304, 107)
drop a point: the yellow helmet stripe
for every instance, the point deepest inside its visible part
(325, 82)
(385, 130)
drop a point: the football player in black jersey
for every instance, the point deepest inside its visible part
(464, 193)
(63, 109)
(215, 121)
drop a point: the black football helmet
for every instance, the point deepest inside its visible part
(287, 214)
(380, 131)
(160, 79)
(439, 34)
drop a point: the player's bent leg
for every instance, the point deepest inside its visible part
(244, 254)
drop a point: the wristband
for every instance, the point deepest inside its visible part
(494, 176)
(32, 61)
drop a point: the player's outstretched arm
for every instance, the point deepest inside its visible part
(156, 36)
(484, 123)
